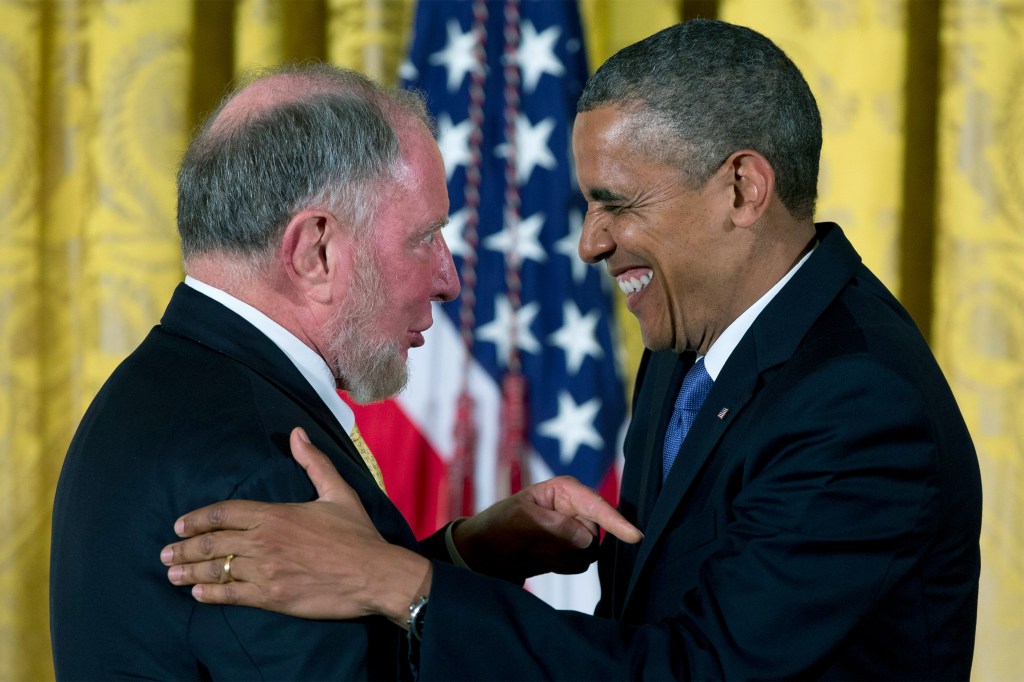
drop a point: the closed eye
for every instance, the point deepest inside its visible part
(608, 201)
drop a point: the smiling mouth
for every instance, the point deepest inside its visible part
(631, 285)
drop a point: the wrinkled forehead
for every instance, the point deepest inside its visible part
(614, 134)
(606, 133)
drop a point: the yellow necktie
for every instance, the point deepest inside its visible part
(364, 452)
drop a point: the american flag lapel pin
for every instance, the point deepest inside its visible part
(722, 412)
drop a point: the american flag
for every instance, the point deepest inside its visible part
(518, 380)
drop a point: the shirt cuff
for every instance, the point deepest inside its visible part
(449, 543)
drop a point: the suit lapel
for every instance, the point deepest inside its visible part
(730, 392)
(771, 340)
(667, 372)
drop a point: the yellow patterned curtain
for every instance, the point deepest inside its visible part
(28, 471)
(919, 100)
(92, 120)
(979, 292)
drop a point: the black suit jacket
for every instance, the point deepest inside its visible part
(200, 412)
(822, 518)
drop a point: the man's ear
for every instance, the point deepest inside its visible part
(753, 186)
(315, 252)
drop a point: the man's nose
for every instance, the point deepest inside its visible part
(446, 279)
(596, 243)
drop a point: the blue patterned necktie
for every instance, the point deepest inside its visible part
(696, 385)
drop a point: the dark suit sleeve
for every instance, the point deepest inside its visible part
(434, 547)
(827, 514)
(140, 460)
(246, 643)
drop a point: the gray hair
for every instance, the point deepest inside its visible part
(716, 88)
(328, 147)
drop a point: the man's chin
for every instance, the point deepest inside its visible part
(381, 381)
(361, 397)
(653, 342)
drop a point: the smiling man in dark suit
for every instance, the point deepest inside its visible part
(809, 493)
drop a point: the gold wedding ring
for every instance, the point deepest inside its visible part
(227, 568)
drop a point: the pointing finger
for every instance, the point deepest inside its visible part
(575, 499)
(604, 515)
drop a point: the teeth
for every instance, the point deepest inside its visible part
(635, 284)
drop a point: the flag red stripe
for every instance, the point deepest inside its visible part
(414, 474)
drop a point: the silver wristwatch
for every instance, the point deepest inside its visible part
(417, 612)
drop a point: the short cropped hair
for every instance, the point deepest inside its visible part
(701, 90)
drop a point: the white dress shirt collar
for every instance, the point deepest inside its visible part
(723, 347)
(313, 367)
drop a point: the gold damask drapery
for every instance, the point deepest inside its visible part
(923, 148)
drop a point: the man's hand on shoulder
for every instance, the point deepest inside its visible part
(319, 559)
(325, 558)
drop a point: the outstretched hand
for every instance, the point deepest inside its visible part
(552, 526)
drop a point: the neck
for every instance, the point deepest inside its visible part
(259, 288)
(774, 251)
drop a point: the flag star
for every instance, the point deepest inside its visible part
(499, 330)
(536, 54)
(576, 336)
(455, 233)
(531, 147)
(407, 71)
(457, 56)
(569, 246)
(527, 239)
(453, 141)
(573, 427)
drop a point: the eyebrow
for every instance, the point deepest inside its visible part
(435, 225)
(602, 194)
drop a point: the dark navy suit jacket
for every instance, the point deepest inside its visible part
(822, 518)
(200, 412)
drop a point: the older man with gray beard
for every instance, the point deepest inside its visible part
(310, 207)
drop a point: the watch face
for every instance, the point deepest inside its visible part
(417, 613)
(421, 615)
